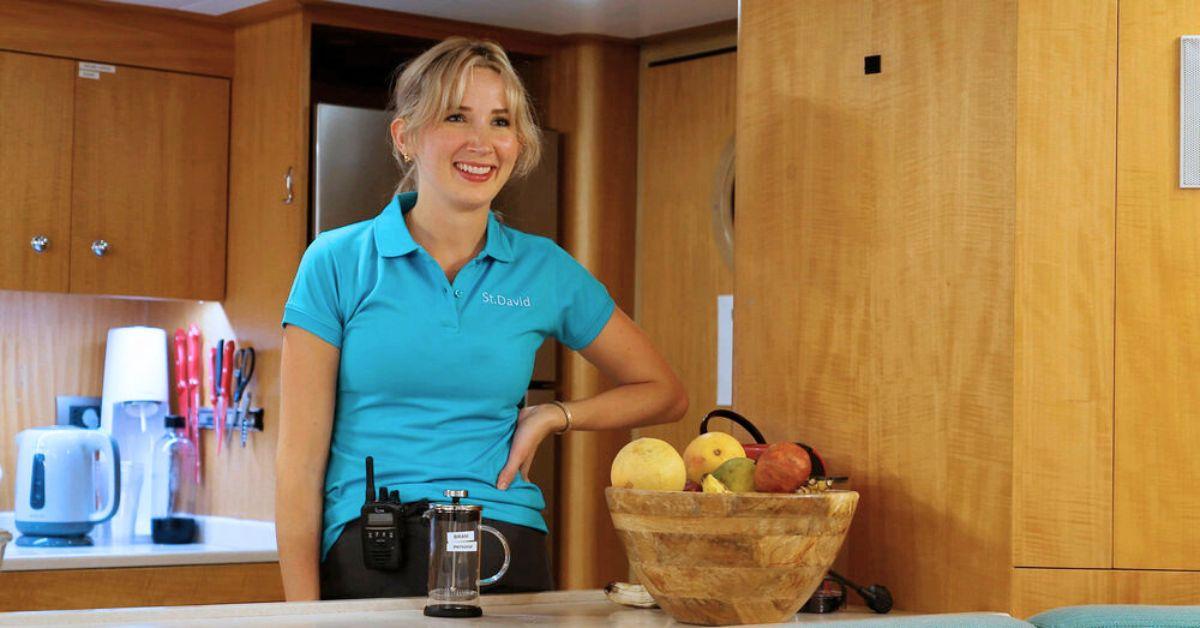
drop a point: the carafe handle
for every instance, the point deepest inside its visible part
(507, 557)
(99, 441)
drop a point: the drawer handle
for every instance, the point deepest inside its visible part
(40, 243)
(99, 248)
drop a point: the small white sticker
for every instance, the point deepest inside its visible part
(97, 67)
(461, 547)
(461, 541)
(88, 74)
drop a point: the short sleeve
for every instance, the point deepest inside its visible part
(584, 303)
(313, 302)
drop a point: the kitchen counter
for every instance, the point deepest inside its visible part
(557, 608)
(222, 540)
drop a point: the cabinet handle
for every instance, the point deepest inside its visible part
(99, 248)
(40, 243)
(287, 184)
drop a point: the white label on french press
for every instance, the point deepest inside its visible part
(461, 541)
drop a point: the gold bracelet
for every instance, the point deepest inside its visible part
(566, 413)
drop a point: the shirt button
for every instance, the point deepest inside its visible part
(457, 293)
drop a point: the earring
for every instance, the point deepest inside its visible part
(405, 157)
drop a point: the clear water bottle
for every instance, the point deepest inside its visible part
(173, 500)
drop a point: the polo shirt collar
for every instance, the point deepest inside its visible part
(391, 234)
(498, 245)
(393, 239)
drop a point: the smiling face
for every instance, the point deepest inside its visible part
(466, 156)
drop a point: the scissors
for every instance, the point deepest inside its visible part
(243, 372)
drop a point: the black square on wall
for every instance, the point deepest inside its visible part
(872, 64)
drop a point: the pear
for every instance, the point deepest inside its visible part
(737, 474)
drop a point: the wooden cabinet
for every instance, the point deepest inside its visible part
(1157, 410)
(175, 585)
(971, 281)
(149, 180)
(123, 172)
(36, 101)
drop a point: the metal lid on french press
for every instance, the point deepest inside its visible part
(455, 506)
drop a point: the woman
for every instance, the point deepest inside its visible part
(410, 338)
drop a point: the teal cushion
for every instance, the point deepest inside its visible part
(953, 620)
(1119, 616)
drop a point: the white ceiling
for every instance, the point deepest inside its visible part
(618, 18)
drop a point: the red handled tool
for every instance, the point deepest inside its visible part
(193, 374)
(226, 378)
(181, 388)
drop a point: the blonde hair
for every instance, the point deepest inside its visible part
(432, 85)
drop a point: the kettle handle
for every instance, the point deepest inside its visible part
(507, 556)
(99, 441)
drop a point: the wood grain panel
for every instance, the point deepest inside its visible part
(802, 240)
(1037, 590)
(1157, 514)
(50, 344)
(874, 274)
(119, 34)
(71, 589)
(1066, 196)
(36, 109)
(686, 123)
(941, 287)
(593, 102)
(150, 177)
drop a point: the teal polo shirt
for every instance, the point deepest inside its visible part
(431, 372)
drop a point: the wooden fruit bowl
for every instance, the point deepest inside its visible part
(730, 558)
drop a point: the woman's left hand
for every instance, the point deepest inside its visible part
(534, 423)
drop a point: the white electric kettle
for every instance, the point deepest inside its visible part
(55, 494)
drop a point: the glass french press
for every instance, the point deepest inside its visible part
(454, 551)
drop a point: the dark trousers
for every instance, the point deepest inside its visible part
(344, 576)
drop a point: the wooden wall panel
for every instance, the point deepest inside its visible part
(1066, 197)
(593, 103)
(1157, 523)
(1037, 590)
(804, 232)
(941, 290)
(71, 589)
(874, 274)
(686, 125)
(120, 34)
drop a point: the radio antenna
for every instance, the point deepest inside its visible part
(370, 478)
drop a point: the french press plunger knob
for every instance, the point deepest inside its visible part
(454, 551)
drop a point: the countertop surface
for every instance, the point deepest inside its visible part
(557, 608)
(220, 540)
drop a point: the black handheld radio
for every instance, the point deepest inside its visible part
(382, 525)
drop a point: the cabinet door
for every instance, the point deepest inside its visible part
(35, 171)
(1157, 507)
(687, 108)
(150, 184)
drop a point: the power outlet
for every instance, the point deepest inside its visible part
(78, 411)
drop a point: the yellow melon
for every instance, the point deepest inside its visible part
(650, 464)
